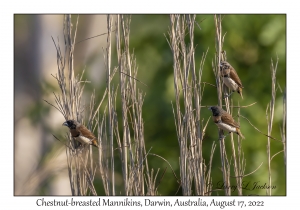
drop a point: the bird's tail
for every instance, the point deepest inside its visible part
(240, 92)
(94, 143)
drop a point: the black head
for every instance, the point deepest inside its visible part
(216, 110)
(70, 124)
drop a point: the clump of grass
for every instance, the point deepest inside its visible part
(270, 117)
(80, 162)
(82, 167)
(187, 84)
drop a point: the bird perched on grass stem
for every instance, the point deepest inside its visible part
(81, 133)
(225, 121)
(231, 78)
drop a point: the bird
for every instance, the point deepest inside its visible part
(225, 121)
(80, 133)
(231, 78)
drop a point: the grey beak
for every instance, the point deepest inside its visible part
(65, 124)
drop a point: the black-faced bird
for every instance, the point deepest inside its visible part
(80, 133)
(231, 78)
(225, 121)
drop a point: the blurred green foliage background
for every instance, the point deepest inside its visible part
(251, 42)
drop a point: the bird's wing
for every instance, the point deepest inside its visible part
(86, 132)
(227, 118)
(233, 75)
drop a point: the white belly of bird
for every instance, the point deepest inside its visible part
(230, 83)
(83, 140)
(226, 127)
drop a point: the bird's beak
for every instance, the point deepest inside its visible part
(65, 124)
(209, 107)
